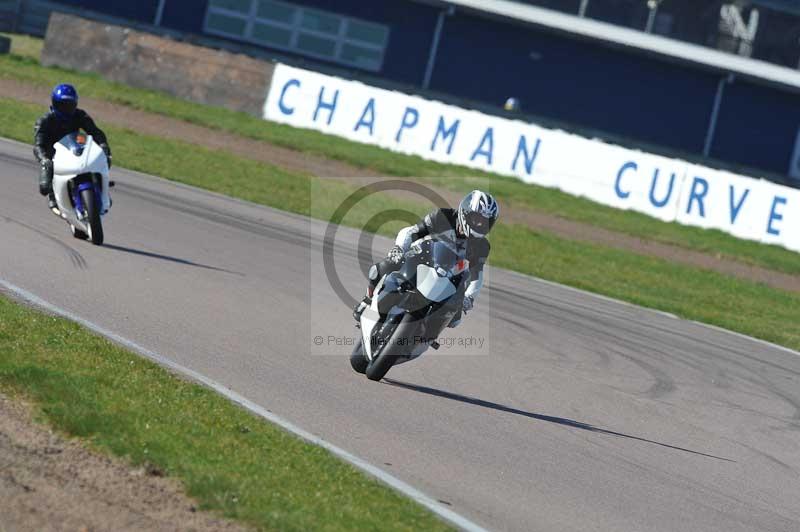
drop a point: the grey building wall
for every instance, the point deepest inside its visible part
(141, 59)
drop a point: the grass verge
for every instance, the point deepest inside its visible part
(689, 292)
(510, 191)
(25, 45)
(229, 460)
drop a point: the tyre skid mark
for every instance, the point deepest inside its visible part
(75, 257)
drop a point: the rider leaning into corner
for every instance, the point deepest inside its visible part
(63, 118)
(466, 226)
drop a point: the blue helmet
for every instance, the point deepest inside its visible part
(64, 101)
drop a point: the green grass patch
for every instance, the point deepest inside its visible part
(510, 191)
(229, 460)
(690, 292)
(25, 45)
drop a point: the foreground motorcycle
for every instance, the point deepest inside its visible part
(411, 307)
(80, 185)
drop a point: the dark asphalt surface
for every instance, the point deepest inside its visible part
(576, 413)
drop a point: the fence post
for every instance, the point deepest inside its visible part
(437, 35)
(159, 12)
(17, 17)
(712, 123)
(583, 7)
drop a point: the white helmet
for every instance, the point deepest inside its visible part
(477, 213)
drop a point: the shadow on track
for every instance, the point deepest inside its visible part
(169, 259)
(540, 417)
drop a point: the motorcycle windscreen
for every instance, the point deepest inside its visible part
(432, 285)
(444, 254)
(73, 157)
(73, 143)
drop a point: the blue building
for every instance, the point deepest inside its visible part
(678, 77)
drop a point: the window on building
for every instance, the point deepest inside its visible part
(310, 32)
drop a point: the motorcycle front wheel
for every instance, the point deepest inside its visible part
(93, 221)
(358, 360)
(398, 345)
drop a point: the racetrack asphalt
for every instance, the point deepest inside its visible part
(576, 413)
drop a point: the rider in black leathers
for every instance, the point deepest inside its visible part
(466, 226)
(63, 118)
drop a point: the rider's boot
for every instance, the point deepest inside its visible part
(455, 321)
(359, 309)
(46, 184)
(51, 202)
(374, 275)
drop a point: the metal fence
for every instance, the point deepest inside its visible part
(25, 16)
(762, 29)
(29, 16)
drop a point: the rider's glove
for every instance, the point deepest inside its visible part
(467, 304)
(395, 255)
(107, 151)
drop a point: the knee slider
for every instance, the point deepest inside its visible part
(374, 273)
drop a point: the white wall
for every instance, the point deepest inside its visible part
(668, 189)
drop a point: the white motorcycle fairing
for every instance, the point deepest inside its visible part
(370, 318)
(369, 321)
(71, 160)
(434, 284)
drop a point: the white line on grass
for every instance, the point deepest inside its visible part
(394, 482)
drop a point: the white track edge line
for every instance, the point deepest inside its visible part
(406, 489)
